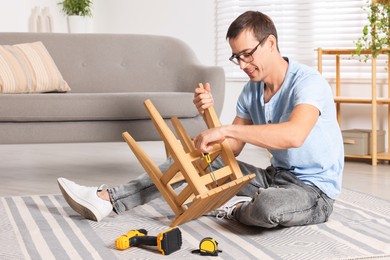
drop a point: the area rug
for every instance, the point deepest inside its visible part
(44, 227)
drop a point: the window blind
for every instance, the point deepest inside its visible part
(303, 26)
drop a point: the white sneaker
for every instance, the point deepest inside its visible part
(227, 210)
(84, 200)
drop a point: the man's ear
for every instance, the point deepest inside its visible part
(272, 42)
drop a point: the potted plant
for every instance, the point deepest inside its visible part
(376, 35)
(77, 11)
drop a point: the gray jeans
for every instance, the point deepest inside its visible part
(278, 197)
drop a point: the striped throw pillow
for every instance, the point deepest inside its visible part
(29, 68)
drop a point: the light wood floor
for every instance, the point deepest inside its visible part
(33, 168)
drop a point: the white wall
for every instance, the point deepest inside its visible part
(15, 15)
(191, 20)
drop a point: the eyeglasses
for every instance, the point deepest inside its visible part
(246, 56)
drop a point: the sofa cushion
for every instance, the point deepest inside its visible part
(93, 107)
(29, 68)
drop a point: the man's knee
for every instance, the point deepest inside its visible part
(261, 211)
(269, 208)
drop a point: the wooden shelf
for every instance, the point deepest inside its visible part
(380, 156)
(382, 101)
(351, 100)
(346, 51)
(373, 101)
(384, 156)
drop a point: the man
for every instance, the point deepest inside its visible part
(287, 108)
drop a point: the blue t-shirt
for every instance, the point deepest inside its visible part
(320, 160)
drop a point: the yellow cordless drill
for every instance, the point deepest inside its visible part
(167, 242)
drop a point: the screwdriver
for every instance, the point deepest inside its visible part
(208, 160)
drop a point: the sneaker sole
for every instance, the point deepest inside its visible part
(75, 204)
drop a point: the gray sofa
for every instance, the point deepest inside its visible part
(110, 76)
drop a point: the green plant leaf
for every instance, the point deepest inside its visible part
(76, 7)
(365, 30)
(376, 34)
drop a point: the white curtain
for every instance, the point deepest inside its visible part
(303, 26)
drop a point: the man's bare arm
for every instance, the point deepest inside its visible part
(290, 134)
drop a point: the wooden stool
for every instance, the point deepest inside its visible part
(206, 189)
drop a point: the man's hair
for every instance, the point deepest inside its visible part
(260, 24)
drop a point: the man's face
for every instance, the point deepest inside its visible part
(244, 44)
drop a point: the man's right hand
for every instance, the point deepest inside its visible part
(203, 98)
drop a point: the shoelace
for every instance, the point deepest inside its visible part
(225, 212)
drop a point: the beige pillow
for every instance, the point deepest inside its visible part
(29, 68)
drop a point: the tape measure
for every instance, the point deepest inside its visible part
(208, 246)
